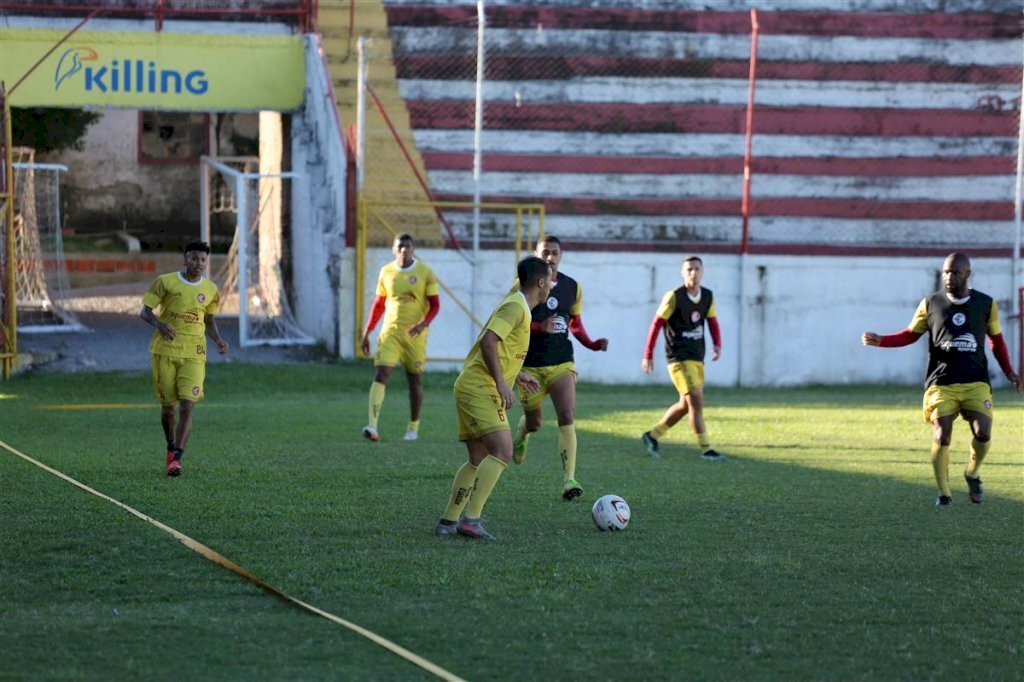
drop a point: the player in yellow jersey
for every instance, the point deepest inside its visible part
(483, 395)
(407, 297)
(188, 302)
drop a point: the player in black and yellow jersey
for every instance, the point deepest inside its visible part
(188, 302)
(682, 315)
(550, 361)
(957, 319)
(483, 395)
(407, 297)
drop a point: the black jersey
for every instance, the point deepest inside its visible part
(684, 324)
(956, 337)
(563, 301)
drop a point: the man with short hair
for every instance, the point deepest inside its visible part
(188, 303)
(483, 395)
(407, 297)
(681, 316)
(550, 361)
(957, 320)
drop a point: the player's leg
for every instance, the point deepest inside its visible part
(492, 459)
(381, 374)
(533, 405)
(185, 409)
(942, 435)
(413, 360)
(563, 397)
(981, 430)
(462, 488)
(163, 383)
(673, 414)
(189, 380)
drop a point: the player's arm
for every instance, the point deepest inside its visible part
(376, 310)
(433, 308)
(150, 318)
(211, 330)
(576, 324)
(668, 304)
(918, 326)
(489, 350)
(715, 331)
(1000, 351)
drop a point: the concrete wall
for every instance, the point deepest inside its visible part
(801, 321)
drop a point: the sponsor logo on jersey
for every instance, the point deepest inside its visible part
(695, 316)
(697, 333)
(965, 343)
(552, 303)
(959, 319)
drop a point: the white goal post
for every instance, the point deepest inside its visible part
(252, 282)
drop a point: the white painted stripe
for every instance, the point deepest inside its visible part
(730, 91)
(837, 6)
(728, 229)
(441, 40)
(651, 186)
(710, 145)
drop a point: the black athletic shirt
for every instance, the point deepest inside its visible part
(684, 327)
(547, 350)
(956, 337)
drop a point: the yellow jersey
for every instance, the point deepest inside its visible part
(510, 321)
(184, 306)
(405, 292)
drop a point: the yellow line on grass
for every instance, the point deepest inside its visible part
(112, 406)
(230, 565)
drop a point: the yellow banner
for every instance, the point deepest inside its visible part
(148, 70)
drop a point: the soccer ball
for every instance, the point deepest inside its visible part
(610, 513)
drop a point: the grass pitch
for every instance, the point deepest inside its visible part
(815, 552)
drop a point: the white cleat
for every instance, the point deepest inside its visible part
(411, 435)
(370, 433)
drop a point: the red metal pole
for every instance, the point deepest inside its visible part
(745, 206)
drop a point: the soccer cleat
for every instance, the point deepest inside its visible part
(446, 527)
(571, 490)
(472, 528)
(519, 448)
(977, 493)
(712, 456)
(411, 435)
(651, 443)
(170, 456)
(174, 468)
(370, 433)
(943, 501)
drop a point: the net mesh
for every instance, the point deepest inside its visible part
(41, 277)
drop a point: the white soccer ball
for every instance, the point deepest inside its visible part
(610, 512)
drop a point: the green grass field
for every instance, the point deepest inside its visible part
(815, 552)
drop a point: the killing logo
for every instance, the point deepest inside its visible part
(126, 75)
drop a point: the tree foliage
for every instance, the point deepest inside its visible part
(50, 130)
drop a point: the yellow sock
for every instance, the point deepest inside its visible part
(462, 488)
(659, 430)
(940, 464)
(487, 475)
(567, 450)
(414, 426)
(978, 452)
(521, 431)
(376, 400)
(704, 442)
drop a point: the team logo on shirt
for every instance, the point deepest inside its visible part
(552, 303)
(201, 298)
(959, 319)
(695, 317)
(965, 343)
(987, 404)
(412, 279)
(195, 390)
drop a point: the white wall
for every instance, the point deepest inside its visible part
(803, 318)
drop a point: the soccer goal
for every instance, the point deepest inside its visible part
(255, 208)
(41, 274)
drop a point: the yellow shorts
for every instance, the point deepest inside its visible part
(178, 378)
(687, 375)
(943, 401)
(479, 414)
(545, 376)
(397, 347)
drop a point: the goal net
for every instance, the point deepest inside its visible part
(41, 275)
(254, 209)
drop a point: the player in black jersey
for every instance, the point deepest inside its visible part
(550, 361)
(957, 320)
(681, 315)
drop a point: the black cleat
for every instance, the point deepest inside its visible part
(977, 493)
(712, 456)
(943, 501)
(651, 443)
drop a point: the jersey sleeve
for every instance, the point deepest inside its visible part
(919, 323)
(668, 304)
(431, 289)
(155, 293)
(505, 318)
(711, 310)
(381, 289)
(993, 320)
(214, 304)
(577, 305)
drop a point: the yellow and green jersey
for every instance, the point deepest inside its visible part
(405, 292)
(510, 321)
(184, 306)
